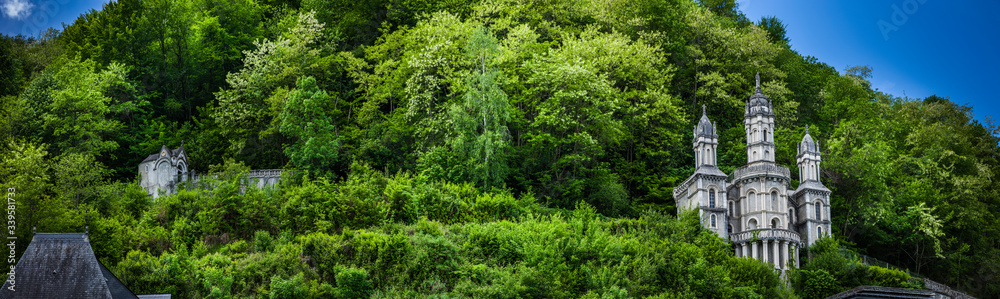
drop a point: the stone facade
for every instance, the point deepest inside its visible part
(754, 208)
(162, 171)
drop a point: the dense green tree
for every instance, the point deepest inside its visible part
(775, 29)
(308, 117)
(77, 114)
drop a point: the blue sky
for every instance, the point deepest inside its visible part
(29, 17)
(923, 47)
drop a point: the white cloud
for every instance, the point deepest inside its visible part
(17, 9)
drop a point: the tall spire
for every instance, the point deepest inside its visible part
(758, 81)
(703, 110)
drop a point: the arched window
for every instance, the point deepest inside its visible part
(765, 134)
(774, 223)
(729, 229)
(812, 170)
(755, 155)
(819, 209)
(711, 198)
(790, 215)
(753, 201)
(752, 224)
(730, 208)
(819, 231)
(774, 200)
(709, 157)
(713, 220)
(767, 155)
(756, 135)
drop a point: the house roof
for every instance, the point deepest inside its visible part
(62, 265)
(883, 292)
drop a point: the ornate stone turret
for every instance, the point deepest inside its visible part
(705, 190)
(705, 141)
(758, 120)
(811, 198)
(808, 158)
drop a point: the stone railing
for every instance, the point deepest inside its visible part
(766, 234)
(683, 187)
(264, 173)
(759, 169)
(265, 177)
(261, 177)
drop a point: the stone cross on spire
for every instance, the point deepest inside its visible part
(807, 129)
(758, 81)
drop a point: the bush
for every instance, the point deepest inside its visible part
(817, 284)
(353, 283)
(887, 277)
(755, 275)
(292, 288)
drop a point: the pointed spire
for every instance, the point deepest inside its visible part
(807, 129)
(703, 110)
(758, 81)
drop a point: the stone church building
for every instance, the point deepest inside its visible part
(754, 208)
(162, 171)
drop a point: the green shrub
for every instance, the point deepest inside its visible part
(292, 288)
(757, 276)
(353, 283)
(262, 241)
(818, 284)
(887, 277)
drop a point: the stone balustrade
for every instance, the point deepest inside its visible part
(683, 187)
(264, 173)
(759, 169)
(766, 234)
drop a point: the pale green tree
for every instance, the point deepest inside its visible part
(483, 114)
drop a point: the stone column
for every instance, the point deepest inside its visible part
(796, 256)
(772, 247)
(766, 252)
(783, 252)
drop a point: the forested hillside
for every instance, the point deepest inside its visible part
(464, 148)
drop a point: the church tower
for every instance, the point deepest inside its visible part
(705, 190)
(812, 198)
(706, 141)
(754, 208)
(758, 120)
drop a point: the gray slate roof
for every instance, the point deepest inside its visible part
(705, 126)
(883, 292)
(172, 153)
(62, 265)
(151, 158)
